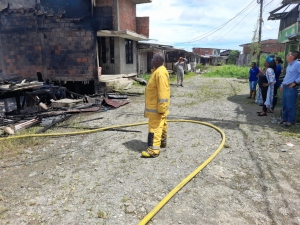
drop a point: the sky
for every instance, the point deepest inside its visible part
(222, 24)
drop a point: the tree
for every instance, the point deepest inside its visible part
(233, 56)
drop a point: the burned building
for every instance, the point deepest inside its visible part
(67, 41)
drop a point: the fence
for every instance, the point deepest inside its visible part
(244, 60)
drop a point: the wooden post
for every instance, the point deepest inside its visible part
(259, 29)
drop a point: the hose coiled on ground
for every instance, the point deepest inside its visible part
(151, 214)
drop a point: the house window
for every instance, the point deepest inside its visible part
(129, 51)
(103, 49)
(112, 49)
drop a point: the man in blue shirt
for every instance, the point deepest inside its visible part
(289, 89)
(253, 72)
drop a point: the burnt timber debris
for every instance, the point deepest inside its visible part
(25, 104)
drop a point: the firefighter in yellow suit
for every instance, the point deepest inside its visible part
(157, 102)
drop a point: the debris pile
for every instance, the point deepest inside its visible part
(45, 105)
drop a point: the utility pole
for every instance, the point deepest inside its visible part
(261, 2)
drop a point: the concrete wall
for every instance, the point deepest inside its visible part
(121, 66)
(118, 57)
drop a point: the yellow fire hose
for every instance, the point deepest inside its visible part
(150, 215)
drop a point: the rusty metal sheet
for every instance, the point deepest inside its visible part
(116, 103)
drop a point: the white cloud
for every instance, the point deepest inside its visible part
(173, 22)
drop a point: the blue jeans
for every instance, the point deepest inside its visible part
(252, 85)
(289, 101)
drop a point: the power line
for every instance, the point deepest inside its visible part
(216, 29)
(212, 32)
(280, 1)
(235, 26)
(269, 29)
(268, 4)
(245, 17)
(237, 23)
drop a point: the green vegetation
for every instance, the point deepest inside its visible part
(172, 76)
(102, 215)
(12, 147)
(281, 55)
(232, 57)
(202, 67)
(263, 58)
(145, 76)
(125, 199)
(228, 71)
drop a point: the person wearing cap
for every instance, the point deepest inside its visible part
(180, 64)
(289, 89)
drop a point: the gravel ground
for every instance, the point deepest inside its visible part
(100, 178)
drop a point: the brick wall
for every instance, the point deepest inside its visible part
(127, 15)
(21, 50)
(70, 55)
(104, 3)
(267, 46)
(58, 48)
(203, 51)
(142, 26)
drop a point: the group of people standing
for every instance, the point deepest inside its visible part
(157, 94)
(269, 83)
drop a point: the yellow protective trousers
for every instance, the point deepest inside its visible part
(158, 129)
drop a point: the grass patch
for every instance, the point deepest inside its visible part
(124, 199)
(12, 147)
(227, 71)
(173, 77)
(293, 131)
(145, 76)
(102, 215)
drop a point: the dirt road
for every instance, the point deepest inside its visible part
(100, 178)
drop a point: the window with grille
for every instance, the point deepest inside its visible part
(112, 49)
(103, 49)
(129, 51)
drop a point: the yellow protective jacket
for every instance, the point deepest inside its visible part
(157, 94)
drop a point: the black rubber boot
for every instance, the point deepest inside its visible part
(163, 143)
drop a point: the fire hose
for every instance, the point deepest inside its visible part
(156, 209)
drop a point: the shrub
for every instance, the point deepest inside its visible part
(228, 71)
(202, 67)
